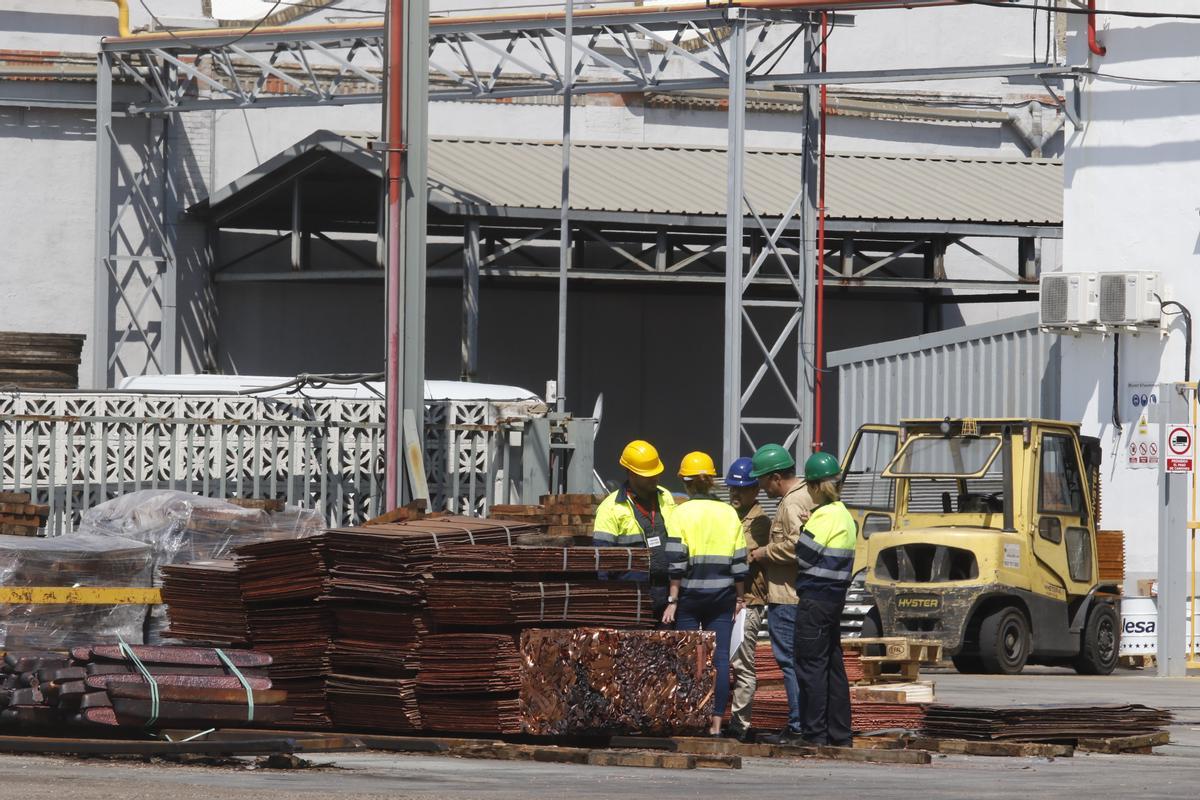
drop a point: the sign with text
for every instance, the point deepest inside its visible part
(1179, 449)
(1142, 450)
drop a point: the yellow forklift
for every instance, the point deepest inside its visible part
(981, 535)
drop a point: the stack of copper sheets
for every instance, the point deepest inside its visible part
(384, 704)
(282, 582)
(1044, 723)
(204, 602)
(376, 639)
(886, 716)
(468, 682)
(484, 560)
(616, 604)
(102, 685)
(594, 680)
(388, 562)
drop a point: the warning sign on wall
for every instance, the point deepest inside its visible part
(1179, 449)
(1142, 448)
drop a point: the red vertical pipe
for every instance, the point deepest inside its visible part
(819, 367)
(393, 135)
(1094, 43)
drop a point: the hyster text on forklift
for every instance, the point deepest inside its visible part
(981, 535)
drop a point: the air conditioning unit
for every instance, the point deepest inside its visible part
(1069, 300)
(1129, 299)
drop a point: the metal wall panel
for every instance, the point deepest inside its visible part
(1006, 368)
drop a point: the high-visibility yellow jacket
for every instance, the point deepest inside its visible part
(825, 552)
(709, 554)
(616, 525)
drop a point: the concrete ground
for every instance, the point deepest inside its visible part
(1174, 771)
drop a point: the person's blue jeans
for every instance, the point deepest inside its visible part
(781, 627)
(711, 611)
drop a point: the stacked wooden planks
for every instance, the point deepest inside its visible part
(571, 515)
(102, 685)
(20, 516)
(1110, 555)
(40, 360)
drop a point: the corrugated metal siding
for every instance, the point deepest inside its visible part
(660, 179)
(1006, 368)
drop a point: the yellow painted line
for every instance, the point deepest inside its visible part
(80, 596)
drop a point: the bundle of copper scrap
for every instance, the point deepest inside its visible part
(384, 704)
(388, 562)
(1044, 723)
(141, 686)
(375, 639)
(483, 560)
(204, 602)
(617, 604)
(468, 682)
(591, 680)
(282, 582)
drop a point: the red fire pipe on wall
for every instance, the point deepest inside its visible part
(393, 134)
(1094, 43)
(819, 365)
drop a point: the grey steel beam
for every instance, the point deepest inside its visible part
(101, 325)
(415, 210)
(631, 276)
(567, 79)
(806, 364)
(731, 431)
(717, 222)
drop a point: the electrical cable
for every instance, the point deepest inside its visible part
(1083, 12)
(234, 40)
(1187, 325)
(1135, 79)
(1116, 404)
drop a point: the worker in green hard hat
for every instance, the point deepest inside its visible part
(824, 561)
(775, 470)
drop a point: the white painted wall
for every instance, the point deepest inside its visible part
(1132, 170)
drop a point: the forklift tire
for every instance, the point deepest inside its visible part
(968, 664)
(1100, 643)
(1004, 641)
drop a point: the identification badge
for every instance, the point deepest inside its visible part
(653, 541)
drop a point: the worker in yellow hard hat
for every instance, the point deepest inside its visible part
(708, 569)
(639, 515)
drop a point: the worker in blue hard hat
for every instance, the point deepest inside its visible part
(756, 527)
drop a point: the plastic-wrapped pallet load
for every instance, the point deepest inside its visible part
(181, 527)
(71, 561)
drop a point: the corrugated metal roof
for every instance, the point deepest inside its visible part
(656, 179)
(690, 181)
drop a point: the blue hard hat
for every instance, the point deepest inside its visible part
(739, 473)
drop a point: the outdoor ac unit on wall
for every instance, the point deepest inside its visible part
(1128, 298)
(1069, 300)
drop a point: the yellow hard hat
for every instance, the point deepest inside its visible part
(697, 463)
(640, 458)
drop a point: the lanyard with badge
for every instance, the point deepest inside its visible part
(651, 541)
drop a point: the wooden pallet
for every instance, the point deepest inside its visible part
(1143, 745)
(966, 747)
(892, 754)
(897, 648)
(890, 672)
(916, 692)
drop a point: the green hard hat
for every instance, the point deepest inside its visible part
(821, 466)
(770, 458)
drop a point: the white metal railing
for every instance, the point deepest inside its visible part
(73, 451)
